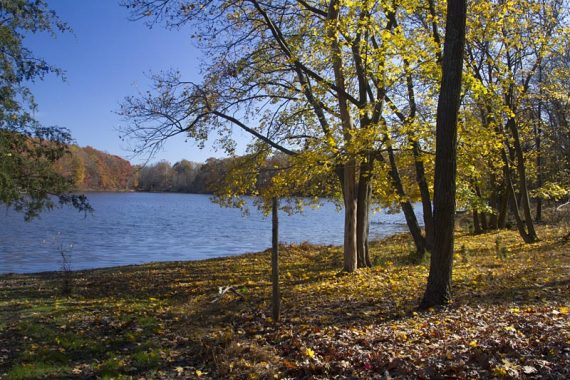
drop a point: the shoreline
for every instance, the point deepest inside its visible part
(183, 262)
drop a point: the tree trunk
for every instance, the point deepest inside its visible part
(512, 197)
(538, 142)
(476, 223)
(494, 204)
(481, 216)
(503, 207)
(515, 210)
(407, 208)
(425, 196)
(415, 229)
(350, 184)
(363, 215)
(438, 290)
(483, 221)
(539, 182)
(276, 292)
(538, 216)
(418, 162)
(493, 222)
(523, 186)
(350, 217)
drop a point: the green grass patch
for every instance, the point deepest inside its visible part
(146, 359)
(111, 367)
(36, 370)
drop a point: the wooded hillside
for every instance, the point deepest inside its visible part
(94, 170)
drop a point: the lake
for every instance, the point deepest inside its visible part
(136, 228)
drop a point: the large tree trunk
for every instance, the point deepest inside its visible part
(350, 184)
(438, 290)
(363, 215)
(350, 217)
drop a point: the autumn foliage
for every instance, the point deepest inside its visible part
(510, 317)
(93, 170)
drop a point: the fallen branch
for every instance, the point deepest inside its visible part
(562, 206)
(223, 290)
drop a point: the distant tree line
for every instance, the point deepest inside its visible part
(182, 177)
(89, 169)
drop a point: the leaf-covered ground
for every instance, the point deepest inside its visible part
(510, 317)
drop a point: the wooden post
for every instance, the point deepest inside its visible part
(276, 294)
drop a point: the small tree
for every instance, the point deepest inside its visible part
(276, 291)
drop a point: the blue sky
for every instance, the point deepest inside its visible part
(106, 58)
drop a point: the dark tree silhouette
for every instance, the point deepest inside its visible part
(438, 291)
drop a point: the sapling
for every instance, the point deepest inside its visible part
(66, 272)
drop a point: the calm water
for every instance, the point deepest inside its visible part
(135, 228)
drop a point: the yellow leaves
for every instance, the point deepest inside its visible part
(550, 191)
(473, 344)
(401, 336)
(500, 371)
(508, 111)
(478, 89)
(308, 352)
(509, 368)
(332, 143)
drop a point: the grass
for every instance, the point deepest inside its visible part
(36, 370)
(510, 316)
